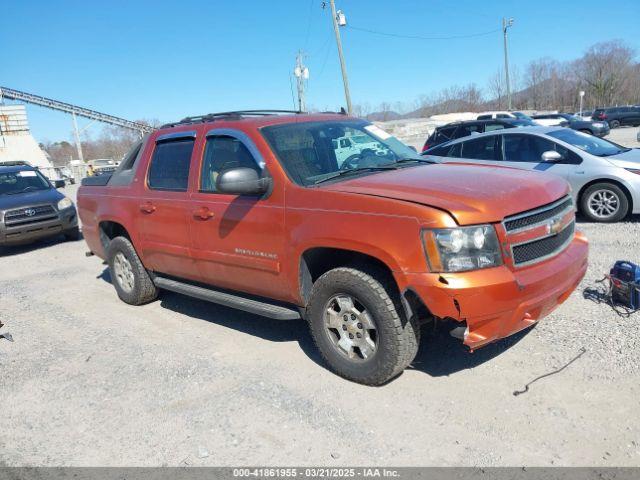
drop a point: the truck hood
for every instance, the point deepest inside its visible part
(470, 193)
(49, 196)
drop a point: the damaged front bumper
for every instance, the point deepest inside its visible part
(495, 303)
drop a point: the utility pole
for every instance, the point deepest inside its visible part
(302, 75)
(335, 16)
(76, 134)
(505, 25)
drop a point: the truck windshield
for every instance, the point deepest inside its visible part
(313, 151)
(590, 144)
(22, 181)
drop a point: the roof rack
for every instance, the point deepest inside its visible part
(209, 117)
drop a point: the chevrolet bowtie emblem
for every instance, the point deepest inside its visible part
(554, 226)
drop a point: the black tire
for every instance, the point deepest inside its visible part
(142, 289)
(623, 202)
(397, 339)
(72, 235)
(614, 124)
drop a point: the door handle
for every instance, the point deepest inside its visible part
(147, 207)
(203, 213)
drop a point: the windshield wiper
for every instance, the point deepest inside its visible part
(410, 159)
(24, 190)
(625, 150)
(341, 173)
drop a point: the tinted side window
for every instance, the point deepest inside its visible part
(503, 115)
(481, 148)
(466, 130)
(489, 127)
(484, 117)
(525, 148)
(170, 163)
(223, 153)
(445, 134)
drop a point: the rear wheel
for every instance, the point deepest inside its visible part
(604, 202)
(130, 279)
(359, 327)
(614, 124)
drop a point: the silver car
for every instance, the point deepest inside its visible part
(604, 176)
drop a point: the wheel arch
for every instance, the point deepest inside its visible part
(315, 261)
(613, 181)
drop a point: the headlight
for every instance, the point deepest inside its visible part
(598, 124)
(64, 203)
(461, 249)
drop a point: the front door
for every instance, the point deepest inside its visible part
(164, 207)
(237, 240)
(525, 151)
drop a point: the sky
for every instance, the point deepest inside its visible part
(167, 60)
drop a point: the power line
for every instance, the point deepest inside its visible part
(306, 40)
(419, 37)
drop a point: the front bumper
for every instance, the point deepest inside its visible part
(499, 302)
(66, 220)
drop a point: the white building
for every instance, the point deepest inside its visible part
(16, 142)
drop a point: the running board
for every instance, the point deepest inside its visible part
(228, 300)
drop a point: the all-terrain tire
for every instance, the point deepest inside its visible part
(143, 289)
(397, 337)
(606, 188)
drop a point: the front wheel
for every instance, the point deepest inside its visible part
(358, 328)
(614, 124)
(604, 202)
(130, 279)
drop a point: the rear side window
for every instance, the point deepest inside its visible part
(466, 130)
(481, 148)
(444, 134)
(170, 163)
(484, 117)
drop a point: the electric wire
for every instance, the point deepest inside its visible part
(420, 37)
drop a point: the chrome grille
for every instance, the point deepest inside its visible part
(538, 215)
(546, 247)
(28, 215)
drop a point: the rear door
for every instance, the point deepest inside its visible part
(237, 240)
(521, 150)
(163, 206)
(484, 150)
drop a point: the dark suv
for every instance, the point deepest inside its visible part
(618, 116)
(32, 208)
(454, 130)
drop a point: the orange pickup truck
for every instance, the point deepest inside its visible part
(275, 214)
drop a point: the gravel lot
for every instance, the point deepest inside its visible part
(92, 381)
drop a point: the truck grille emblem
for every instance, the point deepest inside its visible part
(30, 212)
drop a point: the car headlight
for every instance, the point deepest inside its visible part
(598, 124)
(461, 249)
(64, 203)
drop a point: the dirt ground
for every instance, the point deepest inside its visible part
(90, 381)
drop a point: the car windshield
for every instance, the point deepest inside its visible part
(590, 144)
(521, 116)
(312, 152)
(22, 181)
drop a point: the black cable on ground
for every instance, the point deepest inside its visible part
(526, 387)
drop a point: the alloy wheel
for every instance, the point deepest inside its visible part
(123, 272)
(350, 328)
(603, 204)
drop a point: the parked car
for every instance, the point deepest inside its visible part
(599, 129)
(618, 116)
(348, 149)
(101, 166)
(31, 208)
(550, 120)
(455, 130)
(502, 114)
(584, 115)
(604, 176)
(255, 213)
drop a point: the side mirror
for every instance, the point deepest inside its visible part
(551, 156)
(58, 183)
(413, 148)
(242, 181)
